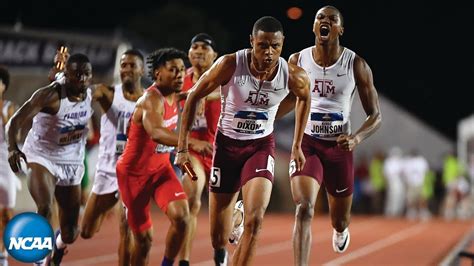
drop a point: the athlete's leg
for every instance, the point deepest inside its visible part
(193, 190)
(221, 208)
(178, 214)
(304, 190)
(256, 195)
(6, 215)
(96, 208)
(141, 251)
(126, 241)
(340, 209)
(41, 184)
(69, 203)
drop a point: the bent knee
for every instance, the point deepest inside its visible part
(304, 210)
(179, 217)
(253, 222)
(194, 205)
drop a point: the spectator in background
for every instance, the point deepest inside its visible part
(452, 172)
(362, 187)
(428, 191)
(415, 169)
(377, 182)
(392, 169)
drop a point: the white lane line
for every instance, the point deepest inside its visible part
(114, 256)
(287, 244)
(387, 241)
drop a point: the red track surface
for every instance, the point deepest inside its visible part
(374, 241)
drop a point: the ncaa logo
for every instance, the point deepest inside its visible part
(28, 237)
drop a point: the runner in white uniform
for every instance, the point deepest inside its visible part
(113, 129)
(117, 105)
(8, 181)
(254, 82)
(55, 146)
(335, 73)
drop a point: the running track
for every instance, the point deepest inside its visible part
(374, 241)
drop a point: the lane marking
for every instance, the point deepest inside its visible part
(374, 246)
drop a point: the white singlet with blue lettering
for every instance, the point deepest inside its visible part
(61, 137)
(332, 91)
(249, 105)
(113, 132)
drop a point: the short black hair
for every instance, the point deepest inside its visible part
(338, 11)
(5, 76)
(267, 24)
(136, 53)
(159, 58)
(78, 58)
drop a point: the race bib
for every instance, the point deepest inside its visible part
(249, 122)
(326, 124)
(121, 136)
(71, 134)
(120, 142)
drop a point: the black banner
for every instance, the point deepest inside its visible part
(35, 51)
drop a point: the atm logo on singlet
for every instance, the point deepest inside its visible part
(324, 87)
(258, 98)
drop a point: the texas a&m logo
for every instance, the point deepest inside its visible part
(258, 98)
(324, 87)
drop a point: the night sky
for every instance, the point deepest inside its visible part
(419, 52)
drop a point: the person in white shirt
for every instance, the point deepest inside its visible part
(415, 168)
(393, 172)
(55, 146)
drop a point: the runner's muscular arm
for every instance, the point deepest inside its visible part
(298, 83)
(288, 104)
(152, 120)
(219, 74)
(46, 100)
(370, 102)
(104, 95)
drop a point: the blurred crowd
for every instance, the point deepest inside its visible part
(400, 183)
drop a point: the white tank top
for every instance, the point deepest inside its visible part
(249, 106)
(4, 113)
(61, 137)
(113, 125)
(332, 91)
(5, 170)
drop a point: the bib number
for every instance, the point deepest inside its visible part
(71, 134)
(250, 122)
(326, 124)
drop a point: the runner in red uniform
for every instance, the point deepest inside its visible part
(202, 54)
(144, 170)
